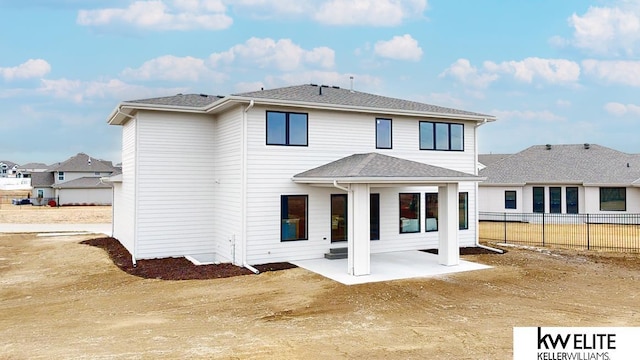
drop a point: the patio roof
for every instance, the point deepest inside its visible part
(381, 169)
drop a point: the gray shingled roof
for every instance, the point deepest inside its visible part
(83, 163)
(39, 166)
(570, 164)
(82, 183)
(310, 94)
(181, 100)
(488, 159)
(338, 96)
(9, 164)
(374, 165)
(41, 179)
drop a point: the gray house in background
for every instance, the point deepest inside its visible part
(567, 179)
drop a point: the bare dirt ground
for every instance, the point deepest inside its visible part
(28, 214)
(61, 299)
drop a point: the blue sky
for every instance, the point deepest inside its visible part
(551, 71)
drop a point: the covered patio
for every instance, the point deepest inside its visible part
(358, 173)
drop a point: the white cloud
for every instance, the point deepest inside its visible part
(544, 115)
(462, 71)
(615, 72)
(32, 68)
(172, 68)
(162, 15)
(619, 109)
(608, 30)
(368, 12)
(549, 70)
(399, 48)
(81, 91)
(282, 54)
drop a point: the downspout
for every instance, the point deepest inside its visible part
(243, 190)
(476, 190)
(135, 192)
(335, 184)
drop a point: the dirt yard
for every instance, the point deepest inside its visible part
(61, 299)
(28, 214)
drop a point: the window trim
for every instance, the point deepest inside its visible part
(466, 213)
(417, 215)
(609, 188)
(507, 202)
(287, 135)
(306, 217)
(426, 210)
(435, 136)
(390, 133)
(533, 199)
(60, 175)
(373, 196)
(577, 194)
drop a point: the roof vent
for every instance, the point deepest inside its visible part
(548, 146)
(587, 145)
(204, 95)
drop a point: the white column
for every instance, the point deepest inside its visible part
(359, 248)
(448, 247)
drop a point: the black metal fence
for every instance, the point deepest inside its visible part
(612, 232)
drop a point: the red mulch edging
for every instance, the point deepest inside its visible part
(174, 268)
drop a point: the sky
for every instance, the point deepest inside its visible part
(552, 72)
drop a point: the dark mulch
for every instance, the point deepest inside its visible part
(174, 268)
(469, 251)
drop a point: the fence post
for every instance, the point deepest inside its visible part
(588, 232)
(505, 227)
(543, 229)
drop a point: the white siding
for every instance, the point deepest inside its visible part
(592, 201)
(333, 135)
(175, 185)
(85, 196)
(124, 214)
(491, 199)
(227, 205)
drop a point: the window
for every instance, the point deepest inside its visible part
(383, 134)
(431, 201)
(374, 216)
(510, 200)
(61, 175)
(463, 210)
(441, 136)
(555, 200)
(293, 215)
(338, 217)
(286, 128)
(572, 200)
(409, 213)
(613, 199)
(40, 193)
(538, 200)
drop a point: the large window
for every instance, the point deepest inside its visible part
(555, 200)
(374, 216)
(383, 134)
(409, 213)
(441, 136)
(510, 200)
(286, 128)
(613, 199)
(572, 200)
(463, 210)
(431, 200)
(293, 217)
(538, 199)
(338, 217)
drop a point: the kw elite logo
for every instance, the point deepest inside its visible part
(567, 343)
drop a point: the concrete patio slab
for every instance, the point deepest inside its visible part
(56, 228)
(388, 266)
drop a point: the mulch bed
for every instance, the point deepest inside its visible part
(174, 268)
(469, 251)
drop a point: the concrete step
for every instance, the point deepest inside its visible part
(335, 256)
(341, 250)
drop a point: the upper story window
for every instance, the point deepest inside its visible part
(441, 136)
(383, 134)
(287, 128)
(61, 176)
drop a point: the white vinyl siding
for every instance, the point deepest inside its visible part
(85, 196)
(175, 184)
(124, 193)
(333, 135)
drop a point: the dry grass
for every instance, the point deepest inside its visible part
(595, 236)
(28, 214)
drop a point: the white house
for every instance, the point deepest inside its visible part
(562, 179)
(290, 173)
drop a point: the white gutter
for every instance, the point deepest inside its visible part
(243, 190)
(335, 184)
(476, 190)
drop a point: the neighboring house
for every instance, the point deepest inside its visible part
(77, 181)
(28, 169)
(8, 169)
(289, 173)
(571, 179)
(41, 183)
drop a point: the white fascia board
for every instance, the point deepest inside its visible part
(126, 109)
(390, 180)
(609, 184)
(501, 185)
(360, 109)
